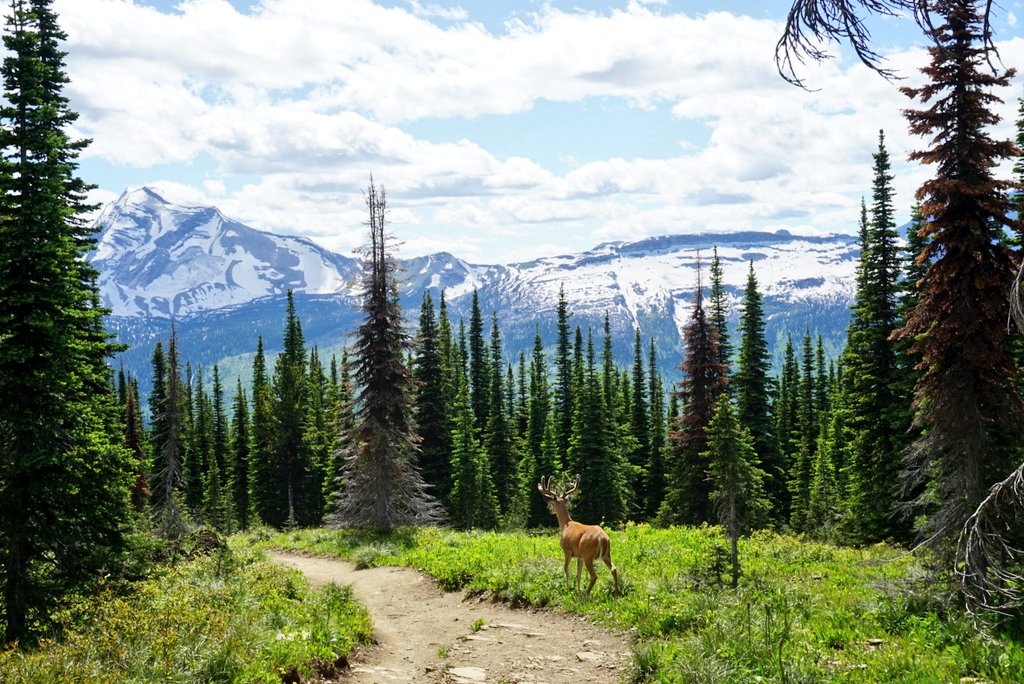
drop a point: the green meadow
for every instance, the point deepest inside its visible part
(803, 612)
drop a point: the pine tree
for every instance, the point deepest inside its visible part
(134, 442)
(217, 502)
(158, 423)
(320, 441)
(829, 469)
(64, 474)
(264, 481)
(878, 415)
(751, 387)
(718, 311)
(601, 493)
(200, 451)
(382, 486)
(473, 502)
(640, 422)
(239, 457)
(786, 414)
(688, 499)
(291, 457)
(737, 484)
(343, 426)
(169, 445)
(966, 400)
(655, 462)
(537, 425)
(499, 447)
(563, 391)
(479, 368)
(522, 400)
(821, 381)
(431, 408)
(806, 440)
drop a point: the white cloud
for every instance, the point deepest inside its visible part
(304, 100)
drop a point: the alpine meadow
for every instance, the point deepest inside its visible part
(612, 390)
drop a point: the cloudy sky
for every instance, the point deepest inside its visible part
(502, 131)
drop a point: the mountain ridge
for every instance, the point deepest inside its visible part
(223, 283)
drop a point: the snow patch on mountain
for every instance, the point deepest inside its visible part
(162, 259)
(159, 259)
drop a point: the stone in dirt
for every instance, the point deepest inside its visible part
(467, 675)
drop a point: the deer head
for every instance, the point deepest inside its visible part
(558, 501)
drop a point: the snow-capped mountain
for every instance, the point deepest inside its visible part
(161, 259)
(224, 283)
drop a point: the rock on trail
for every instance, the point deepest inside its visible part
(426, 635)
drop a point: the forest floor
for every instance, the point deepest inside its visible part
(423, 634)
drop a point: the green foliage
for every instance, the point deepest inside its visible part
(688, 496)
(803, 611)
(752, 391)
(64, 474)
(225, 617)
(737, 483)
(876, 399)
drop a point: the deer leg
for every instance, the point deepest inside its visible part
(565, 569)
(579, 569)
(607, 558)
(593, 573)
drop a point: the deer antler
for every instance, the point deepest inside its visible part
(575, 486)
(545, 488)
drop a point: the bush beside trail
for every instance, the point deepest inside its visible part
(226, 616)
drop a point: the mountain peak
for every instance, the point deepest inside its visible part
(144, 195)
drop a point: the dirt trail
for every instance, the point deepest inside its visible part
(426, 635)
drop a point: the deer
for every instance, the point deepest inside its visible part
(584, 542)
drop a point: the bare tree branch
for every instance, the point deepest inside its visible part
(812, 24)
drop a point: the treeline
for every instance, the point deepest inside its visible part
(823, 438)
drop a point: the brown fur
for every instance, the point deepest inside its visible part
(584, 542)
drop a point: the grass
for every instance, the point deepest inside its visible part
(804, 611)
(228, 617)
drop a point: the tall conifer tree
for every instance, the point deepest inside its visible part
(879, 418)
(382, 488)
(264, 480)
(967, 401)
(536, 426)
(291, 457)
(197, 460)
(479, 367)
(737, 482)
(751, 387)
(498, 441)
(64, 474)
(688, 499)
(806, 441)
(718, 309)
(655, 462)
(239, 457)
(433, 422)
(563, 391)
(640, 421)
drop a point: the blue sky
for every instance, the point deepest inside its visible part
(502, 131)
